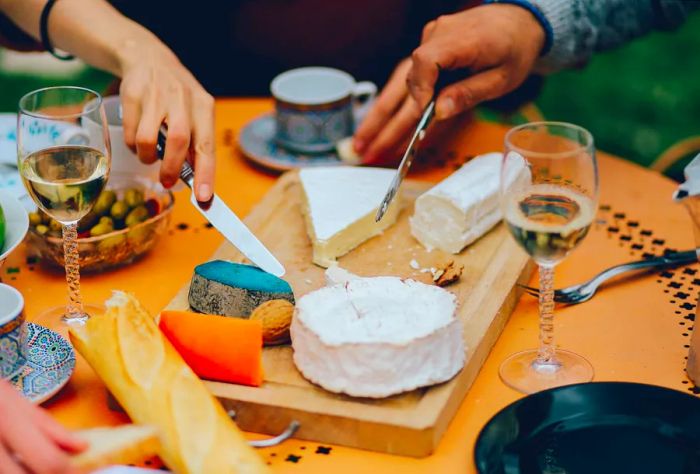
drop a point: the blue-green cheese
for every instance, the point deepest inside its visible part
(234, 289)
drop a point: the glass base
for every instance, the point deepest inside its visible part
(57, 320)
(523, 373)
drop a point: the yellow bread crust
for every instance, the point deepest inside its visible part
(163, 391)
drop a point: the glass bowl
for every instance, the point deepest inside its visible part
(116, 248)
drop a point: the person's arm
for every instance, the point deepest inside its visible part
(580, 28)
(30, 440)
(501, 43)
(155, 86)
(498, 43)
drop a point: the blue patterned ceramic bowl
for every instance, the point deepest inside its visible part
(13, 337)
(50, 364)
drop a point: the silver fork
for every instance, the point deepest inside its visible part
(585, 291)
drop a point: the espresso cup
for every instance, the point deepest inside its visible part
(315, 107)
(124, 161)
(13, 332)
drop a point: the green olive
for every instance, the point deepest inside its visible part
(139, 234)
(111, 242)
(107, 220)
(55, 225)
(119, 210)
(104, 202)
(137, 215)
(45, 219)
(42, 229)
(133, 197)
(101, 229)
(34, 219)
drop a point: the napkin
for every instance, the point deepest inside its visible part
(689, 193)
(691, 186)
(218, 348)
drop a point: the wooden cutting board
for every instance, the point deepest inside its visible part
(410, 424)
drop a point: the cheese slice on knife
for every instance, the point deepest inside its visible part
(339, 207)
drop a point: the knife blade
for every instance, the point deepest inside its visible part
(225, 220)
(445, 78)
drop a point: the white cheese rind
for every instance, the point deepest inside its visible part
(336, 275)
(463, 207)
(340, 205)
(376, 337)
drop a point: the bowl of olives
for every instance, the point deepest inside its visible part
(126, 221)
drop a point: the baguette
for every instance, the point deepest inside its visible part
(126, 444)
(155, 387)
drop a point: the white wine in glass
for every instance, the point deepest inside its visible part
(549, 196)
(63, 179)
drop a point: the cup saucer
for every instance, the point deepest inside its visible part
(257, 143)
(50, 363)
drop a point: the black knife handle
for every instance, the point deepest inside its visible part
(186, 173)
(447, 77)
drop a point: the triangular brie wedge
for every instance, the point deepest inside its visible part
(339, 207)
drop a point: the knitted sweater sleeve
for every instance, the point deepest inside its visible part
(581, 27)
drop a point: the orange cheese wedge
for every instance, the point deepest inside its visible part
(217, 348)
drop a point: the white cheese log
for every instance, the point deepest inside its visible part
(461, 208)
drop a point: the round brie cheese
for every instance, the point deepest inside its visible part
(376, 337)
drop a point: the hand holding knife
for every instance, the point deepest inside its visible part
(224, 219)
(445, 78)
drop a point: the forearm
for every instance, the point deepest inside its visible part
(582, 27)
(90, 29)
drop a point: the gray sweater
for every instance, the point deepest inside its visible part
(579, 28)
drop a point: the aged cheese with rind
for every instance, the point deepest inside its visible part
(376, 337)
(234, 289)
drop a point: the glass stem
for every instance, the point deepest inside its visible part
(545, 354)
(74, 310)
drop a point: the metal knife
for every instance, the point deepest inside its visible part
(445, 78)
(225, 220)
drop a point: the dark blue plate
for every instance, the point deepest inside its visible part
(594, 428)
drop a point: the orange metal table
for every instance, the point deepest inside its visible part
(636, 331)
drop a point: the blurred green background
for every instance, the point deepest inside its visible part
(638, 101)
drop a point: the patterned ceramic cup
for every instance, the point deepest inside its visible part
(318, 106)
(13, 337)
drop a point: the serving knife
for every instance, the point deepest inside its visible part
(445, 78)
(225, 220)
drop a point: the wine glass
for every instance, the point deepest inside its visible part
(549, 197)
(63, 175)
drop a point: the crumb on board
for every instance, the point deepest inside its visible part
(307, 281)
(414, 264)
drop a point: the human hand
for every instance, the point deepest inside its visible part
(498, 43)
(389, 122)
(157, 88)
(30, 440)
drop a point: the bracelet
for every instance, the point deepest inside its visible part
(44, 32)
(539, 16)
